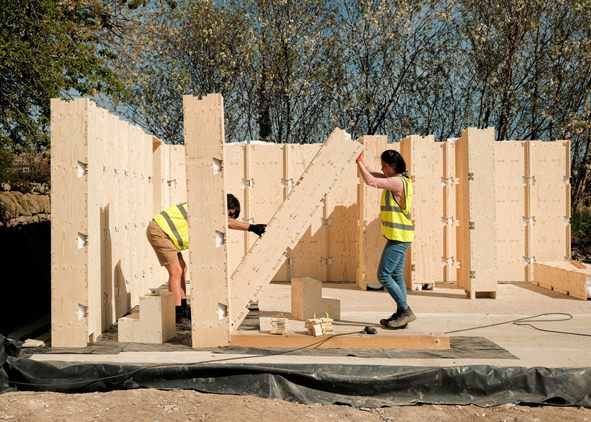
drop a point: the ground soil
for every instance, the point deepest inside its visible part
(186, 405)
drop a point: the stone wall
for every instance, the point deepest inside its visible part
(17, 208)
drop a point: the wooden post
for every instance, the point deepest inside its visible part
(476, 206)
(208, 220)
(370, 241)
(290, 222)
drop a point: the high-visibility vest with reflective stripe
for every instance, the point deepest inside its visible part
(396, 223)
(173, 222)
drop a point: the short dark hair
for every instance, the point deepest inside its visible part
(394, 159)
(233, 204)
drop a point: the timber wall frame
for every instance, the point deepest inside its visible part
(110, 178)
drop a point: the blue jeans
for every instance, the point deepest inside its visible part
(391, 270)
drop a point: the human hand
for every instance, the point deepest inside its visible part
(257, 229)
(359, 158)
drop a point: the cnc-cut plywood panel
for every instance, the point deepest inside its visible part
(510, 184)
(290, 222)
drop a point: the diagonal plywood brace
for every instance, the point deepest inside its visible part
(291, 221)
(208, 221)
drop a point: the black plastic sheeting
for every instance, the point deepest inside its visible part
(354, 385)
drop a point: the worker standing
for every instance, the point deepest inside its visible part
(168, 233)
(397, 227)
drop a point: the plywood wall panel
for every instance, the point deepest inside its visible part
(510, 184)
(208, 220)
(293, 217)
(549, 201)
(309, 257)
(341, 218)
(69, 222)
(449, 182)
(476, 202)
(370, 242)
(235, 184)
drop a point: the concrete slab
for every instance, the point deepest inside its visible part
(442, 310)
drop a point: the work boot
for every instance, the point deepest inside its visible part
(385, 322)
(181, 318)
(404, 317)
(187, 312)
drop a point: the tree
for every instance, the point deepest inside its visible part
(50, 48)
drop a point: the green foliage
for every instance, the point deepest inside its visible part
(6, 167)
(581, 223)
(48, 48)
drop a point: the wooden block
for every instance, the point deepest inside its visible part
(370, 242)
(476, 207)
(155, 322)
(424, 162)
(290, 222)
(33, 343)
(563, 277)
(383, 340)
(510, 185)
(303, 292)
(332, 307)
(208, 219)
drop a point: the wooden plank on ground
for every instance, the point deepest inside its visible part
(510, 183)
(476, 204)
(424, 162)
(208, 219)
(411, 341)
(290, 222)
(370, 242)
(563, 277)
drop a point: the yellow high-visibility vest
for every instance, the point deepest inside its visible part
(173, 222)
(396, 222)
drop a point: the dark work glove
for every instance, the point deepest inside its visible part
(257, 229)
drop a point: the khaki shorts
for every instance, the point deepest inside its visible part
(165, 250)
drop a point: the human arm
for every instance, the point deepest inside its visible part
(378, 180)
(257, 229)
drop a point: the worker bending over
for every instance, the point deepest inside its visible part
(168, 233)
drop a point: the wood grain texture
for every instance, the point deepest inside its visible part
(204, 140)
(234, 168)
(370, 242)
(155, 323)
(563, 277)
(291, 221)
(476, 202)
(308, 257)
(548, 192)
(355, 341)
(449, 211)
(510, 185)
(424, 162)
(69, 204)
